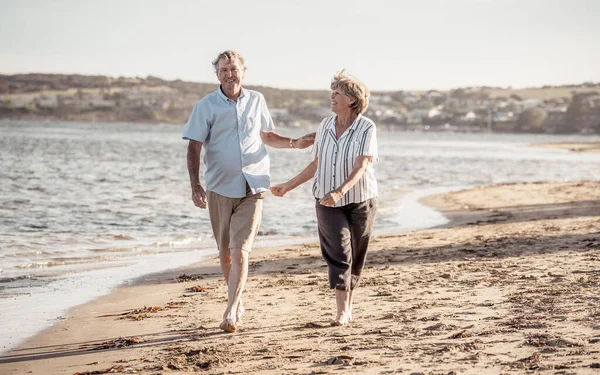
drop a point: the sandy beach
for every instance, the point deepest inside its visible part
(510, 286)
(573, 146)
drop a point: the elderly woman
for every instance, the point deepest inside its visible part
(344, 187)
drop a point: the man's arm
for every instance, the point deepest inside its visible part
(193, 164)
(277, 141)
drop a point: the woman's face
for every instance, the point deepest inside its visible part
(340, 102)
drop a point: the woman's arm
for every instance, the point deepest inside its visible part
(308, 173)
(360, 166)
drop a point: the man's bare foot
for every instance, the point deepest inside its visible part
(341, 320)
(228, 325)
(240, 311)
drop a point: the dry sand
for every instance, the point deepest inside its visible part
(510, 286)
(573, 146)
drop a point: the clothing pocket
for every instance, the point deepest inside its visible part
(252, 124)
(373, 205)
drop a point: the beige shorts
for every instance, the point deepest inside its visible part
(235, 221)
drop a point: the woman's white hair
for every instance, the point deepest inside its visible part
(353, 88)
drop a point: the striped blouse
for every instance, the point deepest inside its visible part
(337, 158)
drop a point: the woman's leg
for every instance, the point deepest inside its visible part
(361, 219)
(336, 248)
(350, 296)
(342, 317)
(334, 236)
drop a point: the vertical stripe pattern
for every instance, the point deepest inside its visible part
(337, 158)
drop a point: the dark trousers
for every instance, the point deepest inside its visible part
(344, 233)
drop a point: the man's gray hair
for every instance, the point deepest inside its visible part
(229, 56)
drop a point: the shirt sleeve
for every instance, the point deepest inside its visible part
(198, 126)
(368, 145)
(266, 123)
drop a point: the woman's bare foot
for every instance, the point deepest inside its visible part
(228, 325)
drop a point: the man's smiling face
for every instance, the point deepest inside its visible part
(230, 74)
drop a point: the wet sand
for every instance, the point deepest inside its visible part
(510, 286)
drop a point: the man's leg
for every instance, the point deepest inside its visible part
(236, 282)
(243, 228)
(226, 268)
(225, 265)
(221, 210)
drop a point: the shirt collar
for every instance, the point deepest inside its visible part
(355, 123)
(225, 98)
(351, 129)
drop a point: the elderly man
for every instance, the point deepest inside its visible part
(234, 125)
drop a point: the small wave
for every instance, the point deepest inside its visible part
(29, 227)
(122, 237)
(56, 263)
(71, 259)
(22, 254)
(185, 241)
(19, 246)
(12, 295)
(26, 265)
(15, 278)
(19, 201)
(61, 262)
(115, 250)
(33, 265)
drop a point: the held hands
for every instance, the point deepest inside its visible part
(330, 199)
(199, 196)
(279, 190)
(304, 141)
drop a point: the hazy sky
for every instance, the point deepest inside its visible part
(390, 45)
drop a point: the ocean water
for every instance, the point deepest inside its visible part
(87, 207)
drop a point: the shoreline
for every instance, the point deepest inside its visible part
(578, 146)
(22, 310)
(482, 289)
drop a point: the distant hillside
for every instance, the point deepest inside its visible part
(100, 98)
(561, 109)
